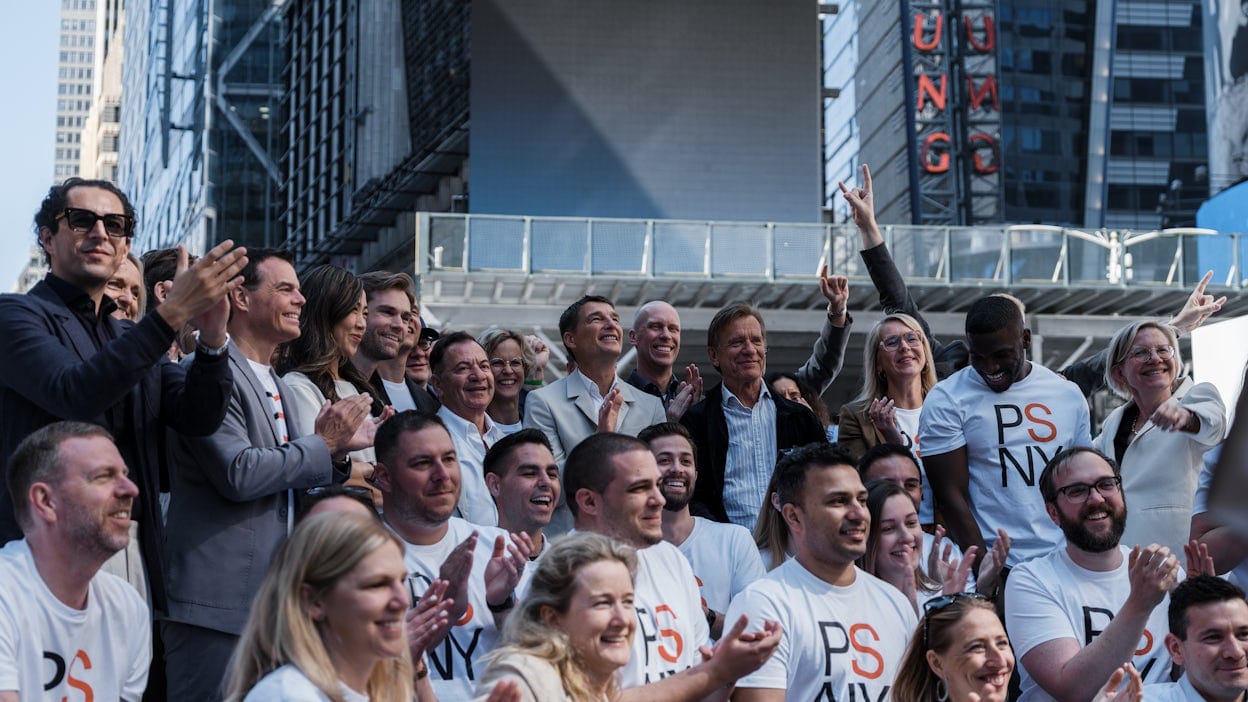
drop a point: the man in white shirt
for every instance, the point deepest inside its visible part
(523, 479)
(391, 331)
(1209, 638)
(465, 385)
(66, 629)
(418, 474)
(612, 482)
(1090, 605)
(590, 399)
(723, 556)
(845, 631)
(989, 429)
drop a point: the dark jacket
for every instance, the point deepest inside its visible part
(425, 401)
(50, 370)
(795, 425)
(1088, 374)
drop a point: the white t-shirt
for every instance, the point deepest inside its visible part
(724, 561)
(308, 400)
(289, 684)
(1009, 437)
(1200, 505)
(670, 622)
(455, 663)
(1181, 691)
(398, 394)
(908, 423)
(1052, 598)
(838, 642)
(49, 651)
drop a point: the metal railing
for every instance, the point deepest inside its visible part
(1038, 255)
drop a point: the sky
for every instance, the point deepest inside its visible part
(28, 55)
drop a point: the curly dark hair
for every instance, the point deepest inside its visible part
(57, 196)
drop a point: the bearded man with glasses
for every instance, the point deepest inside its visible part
(1090, 605)
(62, 356)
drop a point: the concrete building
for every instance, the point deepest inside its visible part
(33, 272)
(75, 77)
(101, 131)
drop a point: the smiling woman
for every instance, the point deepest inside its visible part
(328, 622)
(574, 629)
(1160, 435)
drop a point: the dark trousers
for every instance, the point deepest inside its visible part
(195, 661)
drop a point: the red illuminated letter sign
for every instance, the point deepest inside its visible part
(919, 26)
(934, 154)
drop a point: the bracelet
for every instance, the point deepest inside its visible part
(422, 671)
(504, 605)
(533, 382)
(210, 351)
(834, 315)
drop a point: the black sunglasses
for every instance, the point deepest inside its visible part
(82, 221)
(938, 603)
(345, 490)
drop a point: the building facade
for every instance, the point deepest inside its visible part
(101, 130)
(201, 90)
(75, 77)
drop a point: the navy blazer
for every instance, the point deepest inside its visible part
(795, 426)
(50, 371)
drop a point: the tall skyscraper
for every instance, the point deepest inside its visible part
(74, 82)
(200, 90)
(1101, 109)
(101, 131)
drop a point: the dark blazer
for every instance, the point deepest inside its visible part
(795, 426)
(425, 401)
(231, 504)
(1088, 374)
(50, 371)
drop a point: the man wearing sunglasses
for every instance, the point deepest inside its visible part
(1090, 605)
(234, 491)
(62, 356)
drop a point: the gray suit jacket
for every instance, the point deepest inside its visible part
(231, 502)
(565, 413)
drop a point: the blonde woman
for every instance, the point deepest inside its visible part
(328, 622)
(574, 629)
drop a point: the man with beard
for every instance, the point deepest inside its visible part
(523, 479)
(1091, 605)
(723, 556)
(988, 429)
(68, 631)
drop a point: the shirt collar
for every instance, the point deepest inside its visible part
(729, 398)
(458, 425)
(77, 299)
(590, 386)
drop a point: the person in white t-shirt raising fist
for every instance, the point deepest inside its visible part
(612, 486)
(1090, 605)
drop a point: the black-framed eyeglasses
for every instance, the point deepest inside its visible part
(82, 221)
(911, 339)
(424, 343)
(938, 603)
(1078, 493)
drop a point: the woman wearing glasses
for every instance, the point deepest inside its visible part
(961, 653)
(512, 361)
(1160, 435)
(897, 375)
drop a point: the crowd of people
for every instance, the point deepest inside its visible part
(227, 479)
